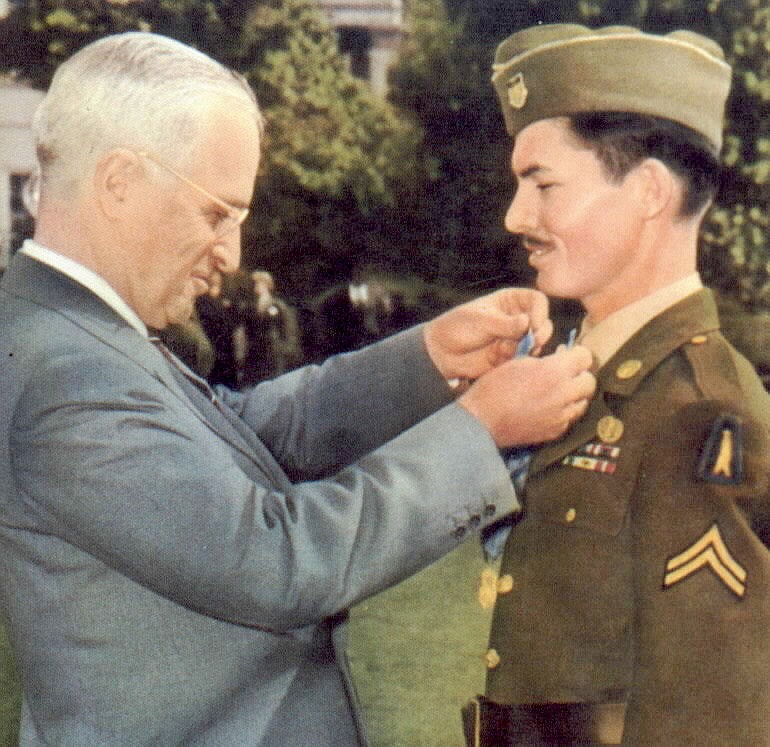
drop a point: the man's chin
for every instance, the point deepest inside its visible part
(180, 311)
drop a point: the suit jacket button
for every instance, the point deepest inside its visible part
(490, 510)
(459, 533)
(570, 515)
(474, 521)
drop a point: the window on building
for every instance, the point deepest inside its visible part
(22, 224)
(355, 43)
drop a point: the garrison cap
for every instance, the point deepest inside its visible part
(559, 69)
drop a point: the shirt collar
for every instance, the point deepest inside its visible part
(608, 336)
(85, 277)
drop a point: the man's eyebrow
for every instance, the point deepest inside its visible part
(532, 171)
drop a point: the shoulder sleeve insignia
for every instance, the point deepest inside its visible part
(710, 552)
(721, 460)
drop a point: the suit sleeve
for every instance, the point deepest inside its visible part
(702, 583)
(319, 418)
(111, 466)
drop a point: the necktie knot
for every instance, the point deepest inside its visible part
(179, 367)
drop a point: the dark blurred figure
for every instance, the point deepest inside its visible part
(254, 334)
(369, 307)
(188, 341)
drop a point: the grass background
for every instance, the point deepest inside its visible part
(416, 653)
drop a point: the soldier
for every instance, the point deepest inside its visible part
(633, 599)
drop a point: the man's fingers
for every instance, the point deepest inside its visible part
(585, 384)
(504, 350)
(577, 359)
(576, 410)
(539, 318)
(511, 327)
(543, 332)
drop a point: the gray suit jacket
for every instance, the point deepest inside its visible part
(178, 575)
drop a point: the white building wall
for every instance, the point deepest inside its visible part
(17, 151)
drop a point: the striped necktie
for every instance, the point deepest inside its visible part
(188, 375)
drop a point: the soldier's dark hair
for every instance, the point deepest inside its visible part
(623, 140)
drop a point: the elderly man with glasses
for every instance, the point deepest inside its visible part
(176, 561)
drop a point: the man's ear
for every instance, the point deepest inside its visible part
(117, 175)
(659, 188)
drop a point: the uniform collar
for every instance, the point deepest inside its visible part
(687, 322)
(608, 336)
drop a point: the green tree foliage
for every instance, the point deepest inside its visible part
(40, 34)
(443, 77)
(347, 180)
(335, 153)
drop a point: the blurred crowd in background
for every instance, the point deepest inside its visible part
(244, 332)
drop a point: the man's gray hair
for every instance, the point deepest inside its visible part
(138, 90)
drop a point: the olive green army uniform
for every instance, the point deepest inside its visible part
(639, 571)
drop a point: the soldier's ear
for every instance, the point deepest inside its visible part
(116, 177)
(659, 188)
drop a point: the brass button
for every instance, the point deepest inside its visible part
(609, 429)
(628, 369)
(699, 339)
(505, 584)
(570, 516)
(491, 658)
(487, 593)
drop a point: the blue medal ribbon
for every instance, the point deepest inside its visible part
(517, 459)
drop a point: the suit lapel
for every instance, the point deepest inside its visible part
(49, 288)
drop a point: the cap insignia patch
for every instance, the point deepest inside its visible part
(517, 91)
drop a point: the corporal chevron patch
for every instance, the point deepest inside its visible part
(710, 552)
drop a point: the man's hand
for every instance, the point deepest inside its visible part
(471, 339)
(530, 400)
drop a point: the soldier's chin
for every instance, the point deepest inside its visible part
(541, 283)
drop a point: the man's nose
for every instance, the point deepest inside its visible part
(227, 251)
(521, 215)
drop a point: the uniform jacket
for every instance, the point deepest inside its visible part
(640, 571)
(177, 574)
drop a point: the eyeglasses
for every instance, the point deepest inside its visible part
(233, 216)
